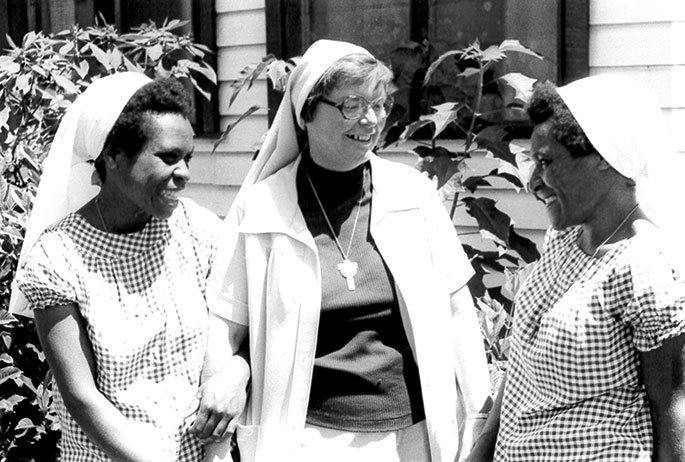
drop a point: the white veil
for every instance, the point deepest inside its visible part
(65, 184)
(625, 124)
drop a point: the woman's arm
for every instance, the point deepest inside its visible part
(62, 334)
(225, 377)
(471, 366)
(469, 352)
(484, 449)
(663, 370)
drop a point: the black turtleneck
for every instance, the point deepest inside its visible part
(365, 378)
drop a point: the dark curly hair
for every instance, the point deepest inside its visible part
(546, 105)
(351, 70)
(130, 131)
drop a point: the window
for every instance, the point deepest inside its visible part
(556, 29)
(55, 15)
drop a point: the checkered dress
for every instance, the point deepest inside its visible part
(142, 297)
(574, 391)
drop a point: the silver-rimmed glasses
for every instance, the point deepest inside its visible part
(354, 107)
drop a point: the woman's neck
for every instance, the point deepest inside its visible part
(333, 185)
(614, 227)
(116, 214)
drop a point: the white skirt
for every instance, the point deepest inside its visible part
(406, 445)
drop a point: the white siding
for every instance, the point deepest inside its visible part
(241, 40)
(645, 40)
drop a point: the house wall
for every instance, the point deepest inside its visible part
(650, 35)
(241, 40)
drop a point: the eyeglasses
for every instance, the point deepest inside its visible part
(354, 107)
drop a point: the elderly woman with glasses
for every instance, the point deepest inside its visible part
(345, 275)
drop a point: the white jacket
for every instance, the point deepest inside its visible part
(272, 283)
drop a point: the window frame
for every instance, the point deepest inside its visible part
(55, 15)
(284, 20)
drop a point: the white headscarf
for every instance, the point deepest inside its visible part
(625, 124)
(280, 145)
(65, 184)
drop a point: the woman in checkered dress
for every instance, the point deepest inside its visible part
(117, 284)
(597, 362)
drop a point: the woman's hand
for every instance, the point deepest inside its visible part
(222, 400)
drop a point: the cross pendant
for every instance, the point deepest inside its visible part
(348, 269)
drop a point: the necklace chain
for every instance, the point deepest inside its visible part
(620, 225)
(102, 220)
(330, 226)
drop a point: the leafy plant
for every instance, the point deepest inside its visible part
(39, 79)
(468, 95)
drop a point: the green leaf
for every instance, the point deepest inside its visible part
(522, 85)
(435, 64)
(23, 83)
(66, 48)
(232, 125)
(206, 71)
(473, 182)
(154, 52)
(489, 217)
(438, 163)
(100, 55)
(9, 373)
(6, 318)
(23, 427)
(4, 116)
(9, 65)
(443, 115)
(493, 53)
(66, 84)
(248, 75)
(277, 72)
(410, 129)
(523, 246)
(116, 58)
(8, 404)
(469, 71)
(490, 139)
(515, 45)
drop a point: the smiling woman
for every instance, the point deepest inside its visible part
(117, 284)
(354, 295)
(598, 334)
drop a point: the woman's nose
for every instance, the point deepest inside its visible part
(535, 181)
(369, 117)
(182, 172)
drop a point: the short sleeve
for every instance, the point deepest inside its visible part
(47, 278)
(657, 307)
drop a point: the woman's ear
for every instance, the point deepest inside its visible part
(602, 164)
(109, 159)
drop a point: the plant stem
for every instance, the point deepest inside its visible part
(476, 110)
(455, 201)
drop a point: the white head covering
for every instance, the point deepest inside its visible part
(65, 184)
(280, 145)
(625, 124)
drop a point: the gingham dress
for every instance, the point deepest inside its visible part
(142, 297)
(574, 391)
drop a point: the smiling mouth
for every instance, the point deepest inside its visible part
(170, 195)
(361, 138)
